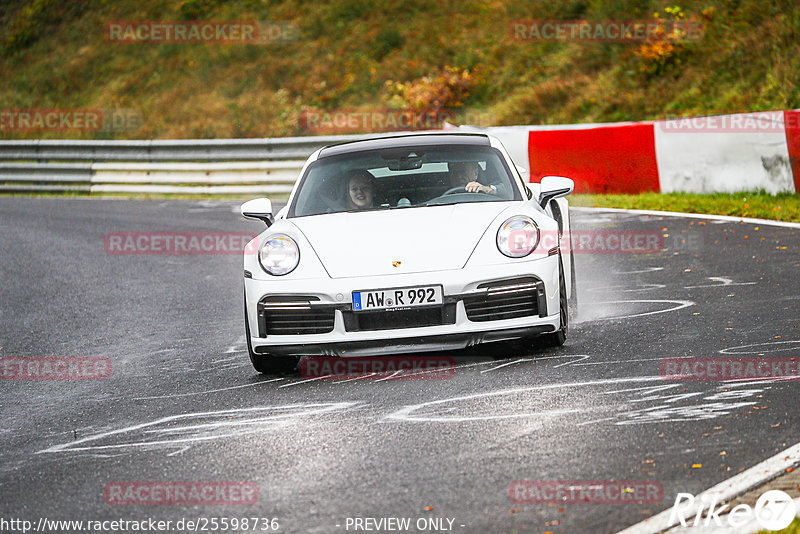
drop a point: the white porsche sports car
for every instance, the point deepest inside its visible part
(404, 244)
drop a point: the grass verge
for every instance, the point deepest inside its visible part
(793, 528)
(758, 204)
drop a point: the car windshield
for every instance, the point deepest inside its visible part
(404, 177)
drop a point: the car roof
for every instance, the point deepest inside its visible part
(468, 139)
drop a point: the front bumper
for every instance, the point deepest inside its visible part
(346, 337)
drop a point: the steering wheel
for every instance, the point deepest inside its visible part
(454, 191)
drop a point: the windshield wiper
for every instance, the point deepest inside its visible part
(356, 210)
(445, 203)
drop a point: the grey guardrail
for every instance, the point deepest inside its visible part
(282, 148)
(185, 166)
(61, 172)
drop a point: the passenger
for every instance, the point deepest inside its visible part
(360, 190)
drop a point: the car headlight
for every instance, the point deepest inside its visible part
(518, 236)
(279, 255)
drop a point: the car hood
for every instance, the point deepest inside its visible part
(398, 241)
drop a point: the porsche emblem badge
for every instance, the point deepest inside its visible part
(396, 263)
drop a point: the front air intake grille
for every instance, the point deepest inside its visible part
(398, 319)
(507, 299)
(293, 315)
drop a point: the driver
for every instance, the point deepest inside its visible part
(465, 174)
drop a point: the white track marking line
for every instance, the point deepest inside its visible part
(725, 283)
(637, 360)
(356, 378)
(649, 389)
(303, 381)
(595, 421)
(232, 366)
(210, 426)
(226, 359)
(580, 357)
(466, 365)
(747, 381)
(507, 364)
(648, 270)
(669, 399)
(179, 451)
(390, 377)
(474, 364)
(722, 492)
(680, 305)
(234, 348)
(722, 218)
(207, 391)
(726, 351)
(632, 289)
(306, 409)
(404, 414)
(730, 384)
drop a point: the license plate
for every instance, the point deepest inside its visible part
(401, 297)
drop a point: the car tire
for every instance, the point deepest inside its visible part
(265, 363)
(573, 298)
(557, 338)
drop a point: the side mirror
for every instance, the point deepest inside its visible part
(554, 187)
(259, 208)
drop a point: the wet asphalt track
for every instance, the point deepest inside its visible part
(323, 451)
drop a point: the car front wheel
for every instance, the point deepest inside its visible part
(557, 338)
(265, 363)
